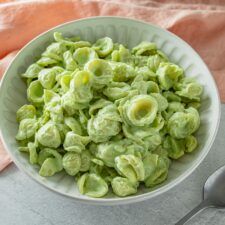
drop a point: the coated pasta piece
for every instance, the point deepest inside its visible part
(73, 124)
(155, 60)
(92, 185)
(153, 141)
(85, 161)
(191, 143)
(108, 151)
(27, 129)
(183, 124)
(32, 71)
(130, 167)
(195, 105)
(35, 92)
(55, 51)
(108, 174)
(101, 71)
(146, 73)
(64, 81)
(75, 143)
(49, 136)
(53, 105)
(116, 90)
(79, 94)
(47, 77)
(72, 43)
(69, 104)
(33, 154)
(84, 55)
(162, 101)
(44, 154)
(172, 108)
(31, 148)
(156, 170)
(105, 124)
(46, 61)
(96, 166)
(140, 110)
(171, 97)
(99, 104)
(145, 48)
(121, 54)
(63, 130)
(26, 112)
(51, 163)
(71, 163)
(175, 147)
(144, 87)
(138, 134)
(189, 89)
(140, 85)
(103, 46)
(153, 87)
(81, 86)
(168, 74)
(123, 186)
(122, 72)
(69, 61)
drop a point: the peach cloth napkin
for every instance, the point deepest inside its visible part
(201, 23)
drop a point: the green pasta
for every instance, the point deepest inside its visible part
(107, 115)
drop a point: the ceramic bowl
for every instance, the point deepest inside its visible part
(128, 32)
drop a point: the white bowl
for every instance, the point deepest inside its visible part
(129, 32)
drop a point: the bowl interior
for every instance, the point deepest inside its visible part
(128, 32)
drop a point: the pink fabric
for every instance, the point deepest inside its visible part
(201, 23)
(4, 157)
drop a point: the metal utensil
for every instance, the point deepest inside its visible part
(213, 194)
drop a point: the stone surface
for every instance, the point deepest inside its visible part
(24, 202)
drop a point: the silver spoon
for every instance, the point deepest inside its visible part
(213, 194)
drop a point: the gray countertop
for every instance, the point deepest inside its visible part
(24, 202)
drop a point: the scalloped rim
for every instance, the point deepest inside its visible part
(130, 199)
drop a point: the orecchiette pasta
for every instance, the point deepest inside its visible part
(107, 115)
(69, 62)
(140, 110)
(168, 74)
(131, 167)
(183, 124)
(156, 170)
(174, 147)
(71, 163)
(103, 46)
(92, 185)
(155, 60)
(105, 124)
(27, 129)
(102, 72)
(32, 71)
(51, 162)
(121, 54)
(74, 142)
(123, 186)
(49, 135)
(35, 92)
(84, 55)
(26, 112)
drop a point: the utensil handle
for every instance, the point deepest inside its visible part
(204, 204)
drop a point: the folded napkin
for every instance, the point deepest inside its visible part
(201, 23)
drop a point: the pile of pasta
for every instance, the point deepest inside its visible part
(107, 115)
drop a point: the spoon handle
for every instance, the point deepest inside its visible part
(204, 204)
